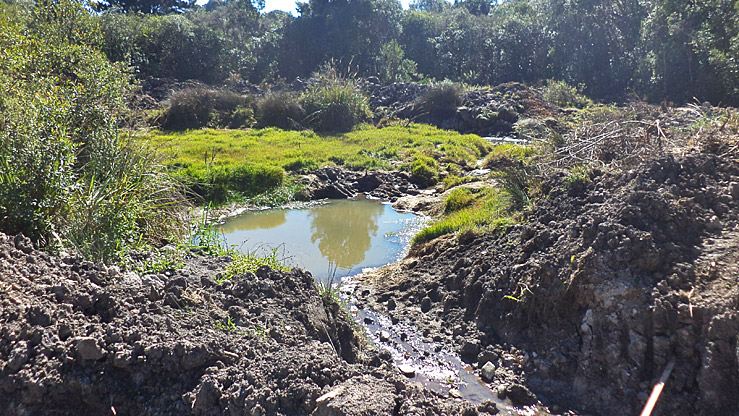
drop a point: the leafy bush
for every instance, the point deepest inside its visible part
(441, 100)
(66, 174)
(424, 171)
(335, 104)
(281, 110)
(197, 107)
(565, 95)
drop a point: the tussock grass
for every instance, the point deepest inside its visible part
(490, 210)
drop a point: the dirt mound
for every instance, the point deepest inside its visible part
(608, 281)
(484, 111)
(83, 338)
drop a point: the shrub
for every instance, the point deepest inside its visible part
(424, 171)
(66, 174)
(565, 95)
(335, 104)
(281, 110)
(197, 107)
(441, 100)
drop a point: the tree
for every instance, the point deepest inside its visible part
(147, 6)
(393, 65)
(348, 32)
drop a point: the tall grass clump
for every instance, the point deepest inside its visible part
(198, 106)
(458, 199)
(282, 110)
(565, 95)
(491, 210)
(441, 100)
(221, 183)
(424, 171)
(335, 103)
(67, 177)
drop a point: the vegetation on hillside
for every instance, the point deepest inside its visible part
(68, 177)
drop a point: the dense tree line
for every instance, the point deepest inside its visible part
(659, 49)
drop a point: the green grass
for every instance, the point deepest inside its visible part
(458, 199)
(211, 157)
(490, 210)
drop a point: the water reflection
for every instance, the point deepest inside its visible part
(344, 231)
(335, 239)
(258, 220)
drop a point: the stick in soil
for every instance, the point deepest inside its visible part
(657, 390)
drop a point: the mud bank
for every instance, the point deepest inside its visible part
(606, 282)
(83, 338)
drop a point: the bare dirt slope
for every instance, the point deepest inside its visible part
(82, 338)
(606, 282)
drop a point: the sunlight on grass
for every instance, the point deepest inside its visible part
(490, 210)
(365, 147)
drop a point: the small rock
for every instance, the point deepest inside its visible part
(488, 371)
(734, 190)
(500, 391)
(18, 356)
(520, 395)
(455, 393)
(407, 370)
(330, 395)
(88, 349)
(488, 406)
(384, 336)
(391, 304)
(425, 304)
(470, 349)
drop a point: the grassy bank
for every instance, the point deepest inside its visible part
(223, 163)
(492, 208)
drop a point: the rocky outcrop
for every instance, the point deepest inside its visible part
(337, 183)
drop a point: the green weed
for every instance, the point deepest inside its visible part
(565, 95)
(219, 164)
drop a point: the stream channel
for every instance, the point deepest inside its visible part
(338, 239)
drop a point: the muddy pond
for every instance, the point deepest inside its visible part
(336, 239)
(333, 239)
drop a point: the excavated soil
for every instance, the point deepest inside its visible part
(605, 283)
(83, 338)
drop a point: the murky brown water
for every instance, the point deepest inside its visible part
(336, 239)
